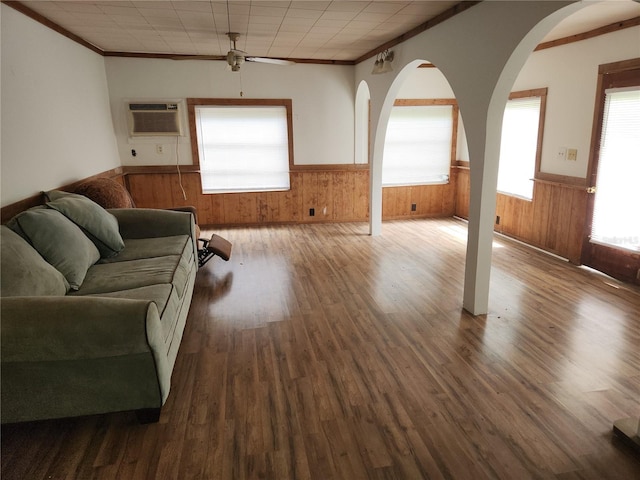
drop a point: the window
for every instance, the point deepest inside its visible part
(242, 145)
(520, 147)
(418, 144)
(616, 219)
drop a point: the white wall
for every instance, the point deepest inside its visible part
(426, 83)
(56, 122)
(323, 103)
(571, 72)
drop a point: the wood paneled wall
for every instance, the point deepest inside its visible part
(430, 201)
(553, 220)
(335, 196)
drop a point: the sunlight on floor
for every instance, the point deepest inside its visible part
(459, 232)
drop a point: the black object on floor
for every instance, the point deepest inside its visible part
(216, 245)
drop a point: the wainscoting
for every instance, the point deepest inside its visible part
(554, 220)
(334, 196)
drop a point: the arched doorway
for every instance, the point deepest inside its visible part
(481, 67)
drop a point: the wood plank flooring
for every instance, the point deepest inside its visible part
(319, 352)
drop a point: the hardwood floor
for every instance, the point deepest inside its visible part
(319, 352)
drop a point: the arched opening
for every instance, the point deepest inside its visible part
(422, 145)
(481, 77)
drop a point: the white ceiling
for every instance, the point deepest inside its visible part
(315, 30)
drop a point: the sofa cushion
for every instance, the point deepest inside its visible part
(99, 225)
(138, 248)
(59, 241)
(24, 272)
(111, 277)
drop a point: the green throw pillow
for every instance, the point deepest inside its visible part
(23, 271)
(60, 242)
(99, 225)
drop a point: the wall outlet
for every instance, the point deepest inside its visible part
(572, 154)
(414, 207)
(159, 149)
(312, 212)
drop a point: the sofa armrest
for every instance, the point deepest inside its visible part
(69, 356)
(151, 223)
(69, 328)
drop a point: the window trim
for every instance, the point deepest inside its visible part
(455, 114)
(537, 175)
(192, 103)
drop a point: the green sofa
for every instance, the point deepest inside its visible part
(92, 327)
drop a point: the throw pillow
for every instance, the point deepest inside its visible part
(99, 225)
(60, 242)
(24, 272)
(106, 192)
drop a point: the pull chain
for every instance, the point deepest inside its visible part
(241, 92)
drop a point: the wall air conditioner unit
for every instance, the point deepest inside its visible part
(154, 119)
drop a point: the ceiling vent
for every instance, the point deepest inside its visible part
(154, 119)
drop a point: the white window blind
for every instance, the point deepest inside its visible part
(417, 148)
(519, 147)
(616, 216)
(243, 148)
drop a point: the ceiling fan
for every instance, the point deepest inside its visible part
(235, 57)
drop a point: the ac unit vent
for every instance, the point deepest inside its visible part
(154, 119)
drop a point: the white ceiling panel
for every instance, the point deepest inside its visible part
(337, 29)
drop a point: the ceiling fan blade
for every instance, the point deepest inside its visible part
(273, 61)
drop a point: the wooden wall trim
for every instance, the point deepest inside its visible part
(612, 27)
(22, 8)
(333, 167)
(621, 66)
(147, 169)
(533, 92)
(220, 58)
(423, 102)
(456, 9)
(11, 210)
(453, 11)
(561, 180)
